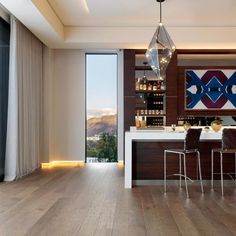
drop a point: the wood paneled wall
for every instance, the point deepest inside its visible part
(148, 160)
(148, 156)
(129, 88)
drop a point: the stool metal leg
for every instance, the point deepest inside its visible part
(165, 171)
(200, 171)
(212, 169)
(221, 173)
(185, 175)
(180, 171)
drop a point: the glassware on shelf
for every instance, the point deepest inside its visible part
(216, 125)
(186, 126)
(173, 127)
(162, 86)
(143, 122)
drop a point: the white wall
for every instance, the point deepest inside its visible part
(69, 105)
(64, 105)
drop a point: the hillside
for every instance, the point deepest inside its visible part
(98, 125)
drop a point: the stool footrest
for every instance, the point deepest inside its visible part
(182, 176)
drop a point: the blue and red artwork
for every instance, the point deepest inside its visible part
(210, 89)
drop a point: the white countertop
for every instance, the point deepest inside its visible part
(168, 134)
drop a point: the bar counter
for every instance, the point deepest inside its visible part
(144, 152)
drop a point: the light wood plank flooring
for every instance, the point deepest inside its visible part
(91, 200)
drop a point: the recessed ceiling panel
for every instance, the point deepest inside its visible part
(138, 13)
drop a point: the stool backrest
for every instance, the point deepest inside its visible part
(229, 138)
(192, 139)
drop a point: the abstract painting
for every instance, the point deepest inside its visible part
(210, 89)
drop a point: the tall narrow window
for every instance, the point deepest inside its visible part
(101, 109)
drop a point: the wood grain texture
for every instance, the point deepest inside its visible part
(91, 200)
(172, 91)
(129, 72)
(148, 160)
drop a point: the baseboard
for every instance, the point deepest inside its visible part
(160, 182)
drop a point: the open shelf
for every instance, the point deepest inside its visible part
(143, 68)
(150, 91)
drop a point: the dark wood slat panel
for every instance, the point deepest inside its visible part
(171, 75)
(129, 111)
(129, 73)
(148, 160)
(171, 110)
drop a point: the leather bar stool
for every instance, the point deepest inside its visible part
(228, 145)
(191, 143)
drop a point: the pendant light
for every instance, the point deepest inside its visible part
(160, 49)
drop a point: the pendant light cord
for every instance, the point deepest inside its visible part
(160, 12)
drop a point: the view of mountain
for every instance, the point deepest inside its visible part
(99, 125)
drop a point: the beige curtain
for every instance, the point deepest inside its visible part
(25, 112)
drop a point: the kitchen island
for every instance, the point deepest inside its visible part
(150, 165)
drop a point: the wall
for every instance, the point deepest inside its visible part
(204, 60)
(64, 105)
(68, 105)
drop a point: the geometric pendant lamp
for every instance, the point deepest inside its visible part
(160, 49)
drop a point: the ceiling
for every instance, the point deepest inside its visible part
(127, 23)
(145, 12)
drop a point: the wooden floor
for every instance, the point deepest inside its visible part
(91, 200)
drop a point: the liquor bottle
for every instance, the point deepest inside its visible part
(162, 85)
(149, 87)
(144, 83)
(137, 120)
(154, 86)
(141, 84)
(137, 84)
(158, 86)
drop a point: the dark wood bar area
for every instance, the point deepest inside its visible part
(148, 160)
(147, 156)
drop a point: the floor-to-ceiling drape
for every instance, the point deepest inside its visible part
(25, 112)
(4, 77)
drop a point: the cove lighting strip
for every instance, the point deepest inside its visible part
(62, 164)
(120, 164)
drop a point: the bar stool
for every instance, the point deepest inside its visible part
(190, 146)
(228, 145)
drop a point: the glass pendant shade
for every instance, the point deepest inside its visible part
(160, 51)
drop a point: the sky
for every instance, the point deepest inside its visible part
(101, 84)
